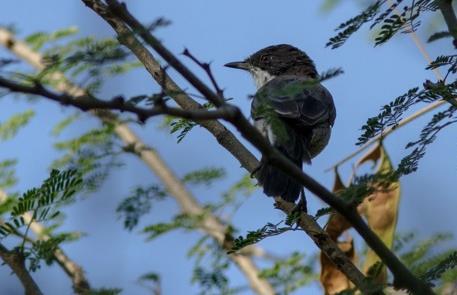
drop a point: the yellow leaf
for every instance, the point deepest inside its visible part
(380, 208)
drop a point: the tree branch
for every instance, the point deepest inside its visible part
(403, 277)
(15, 260)
(74, 271)
(151, 158)
(449, 17)
(88, 102)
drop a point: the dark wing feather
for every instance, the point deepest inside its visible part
(304, 101)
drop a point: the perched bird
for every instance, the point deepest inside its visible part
(291, 109)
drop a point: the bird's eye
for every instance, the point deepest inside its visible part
(264, 58)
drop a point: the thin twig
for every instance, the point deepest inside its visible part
(207, 68)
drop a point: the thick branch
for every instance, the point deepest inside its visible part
(449, 17)
(15, 260)
(187, 202)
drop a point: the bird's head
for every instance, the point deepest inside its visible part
(276, 60)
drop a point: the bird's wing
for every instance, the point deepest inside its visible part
(305, 102)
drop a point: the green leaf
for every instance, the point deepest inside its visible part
(138, 204)
(37, 40)
(256, 236)
(204, 176)
(290, 274)
(7, 174)
(43, 201)
(9, 128)
(184, 126)
(59, 127)
(351, 26)
(183, 221)
(435, 272)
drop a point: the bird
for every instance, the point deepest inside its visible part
(291, 109)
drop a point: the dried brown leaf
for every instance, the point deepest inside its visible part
(333, 280)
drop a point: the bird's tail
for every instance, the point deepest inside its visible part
(277, 183)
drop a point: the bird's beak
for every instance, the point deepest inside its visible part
(238, 65)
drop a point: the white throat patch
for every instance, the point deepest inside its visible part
(260, 76)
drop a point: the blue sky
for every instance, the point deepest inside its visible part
(223, 31)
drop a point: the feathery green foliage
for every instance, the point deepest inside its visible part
(290, 274)
(204, 176)
(10, 127)
(428, 135)
(441, 61)
(442, 266)
(43, 250)
(392, 113)
(426, 258)
(244, 187)
(256, 236)
(183, 126)
(62, 125)
(138, 204)
(42, 203)
(351, 26)
(39, 39)
(389, 22)
(211, 266)
(86, 60)
(180, 221)
(92, 153)
(7, 174)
